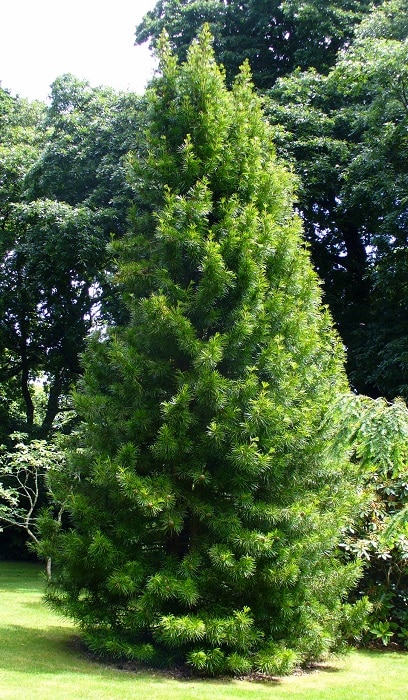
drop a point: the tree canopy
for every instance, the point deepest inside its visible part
(275, 37)
(64, 195)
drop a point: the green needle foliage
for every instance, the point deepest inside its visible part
(205, 509)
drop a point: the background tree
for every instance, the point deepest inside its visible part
(21, 142)
(345, 133)
(72, 198)
(205, 509)
(275, 37)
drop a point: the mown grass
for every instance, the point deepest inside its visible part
(40, 658)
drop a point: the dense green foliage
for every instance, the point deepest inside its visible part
(206, 505)
(377, 433)
(64, 194)
(21, 142)
(276, 37)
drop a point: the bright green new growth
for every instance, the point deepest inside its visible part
(206, 511)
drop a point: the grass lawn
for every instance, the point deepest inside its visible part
(39, 659)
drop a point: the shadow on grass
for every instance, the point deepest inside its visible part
(45, 649)
(176, 673)
(58, 651)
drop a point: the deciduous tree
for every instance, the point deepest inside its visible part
(69, 197)
(275, 37)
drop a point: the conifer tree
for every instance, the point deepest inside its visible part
(205, 506)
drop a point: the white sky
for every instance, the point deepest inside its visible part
(92, 39)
